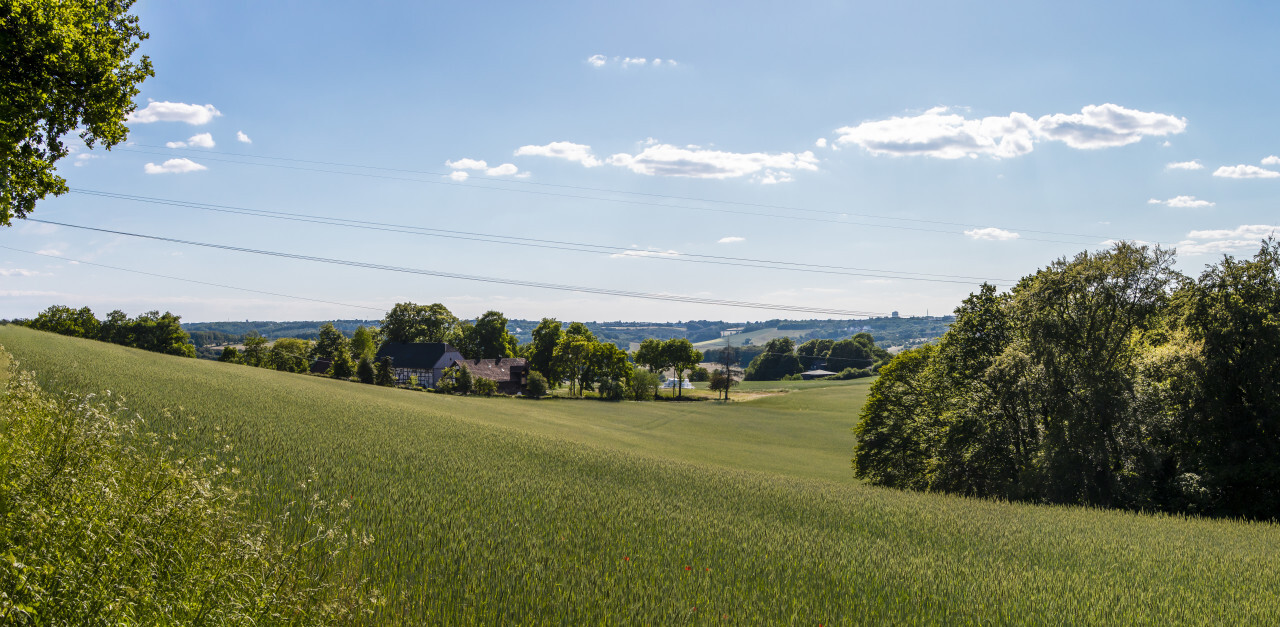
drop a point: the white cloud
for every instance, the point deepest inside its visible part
(992, 233)
(600, 60)
(1222, 241)
(506, 169)
(18, 272)
(1194, 164)
(1272, 160)
(821, 143)
(459, 175)
(83, 158)
(936, 133)
(570, 151)
(1182, 202)
(943, 134)
(1106, 125)
(647, 252)
(1245, 172)
(242, 138)
(731, 239)
(17, 293)
(1254, 231)
(174, 166)
(696, 162)
(201, 140)
(467, 164)
(49, 251)
(174, 112)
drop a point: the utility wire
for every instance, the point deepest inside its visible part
(484, 279)
(1093, 238)
(551, 244)
(589, 189)
(176, 278)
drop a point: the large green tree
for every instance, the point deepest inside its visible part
(363, 345)
(408, 322)
(330, 343)
(492, 338)
(778, 360)
(541, 350)
(682, 356)
(1233, 313)
(67, 67)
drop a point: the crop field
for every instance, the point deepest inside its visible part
(564, 512)
(758, 338)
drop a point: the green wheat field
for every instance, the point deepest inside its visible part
(508, 511)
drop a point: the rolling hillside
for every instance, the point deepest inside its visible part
(512, 511)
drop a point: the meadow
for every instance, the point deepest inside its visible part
(572, 511)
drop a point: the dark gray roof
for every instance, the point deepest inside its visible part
(499, 370)
(422, 355)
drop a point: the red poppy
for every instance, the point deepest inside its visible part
(688, 568)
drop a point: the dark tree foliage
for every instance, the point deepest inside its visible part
(230, 355)
(537, 386)
(541, 350)
(492, 338)
(382, 372)
(1107, 380)
(778, 360)
(364, 370)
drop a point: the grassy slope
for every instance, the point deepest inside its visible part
(513, 511)
(758, 338)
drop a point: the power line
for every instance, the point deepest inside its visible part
(204, 156)
(593, 189)
(551, 244)
(483, 279)
(176, 278)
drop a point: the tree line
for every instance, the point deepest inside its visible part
(850, 358)
(151, 331)
(1109, 379)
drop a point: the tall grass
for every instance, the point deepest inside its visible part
(507, 511)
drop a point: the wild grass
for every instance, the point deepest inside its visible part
(566, 512)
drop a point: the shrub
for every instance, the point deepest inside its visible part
(699, 375)
(537, 386)
(612, 390)
(484, 387)
(644, 385)
(364, 371)
(117, 529)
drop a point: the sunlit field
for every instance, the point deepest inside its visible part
(578, 511)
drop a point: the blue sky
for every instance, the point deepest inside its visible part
(907, 141)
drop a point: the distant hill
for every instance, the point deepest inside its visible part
(888, 332)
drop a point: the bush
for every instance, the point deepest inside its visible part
(364, 371)
(484, 387)
(116, 529)
(699, 375)
(849, 373)
(643, 386)
(537, 386)
(612, 390)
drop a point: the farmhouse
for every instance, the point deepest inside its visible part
(424, 360)
(510, 373)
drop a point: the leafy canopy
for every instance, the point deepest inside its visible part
(67, 66)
